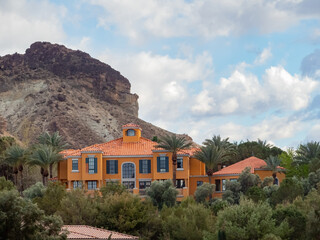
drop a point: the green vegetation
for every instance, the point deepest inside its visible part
(249, 209)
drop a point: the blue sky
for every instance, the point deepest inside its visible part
(244, 69)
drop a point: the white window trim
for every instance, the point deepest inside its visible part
(129, 179)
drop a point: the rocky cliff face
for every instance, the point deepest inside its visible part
(54, 88)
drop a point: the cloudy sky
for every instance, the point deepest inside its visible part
(244, 69)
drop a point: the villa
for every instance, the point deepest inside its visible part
(135, 162)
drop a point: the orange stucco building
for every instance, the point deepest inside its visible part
(133, 161)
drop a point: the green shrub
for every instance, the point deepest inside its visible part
(288, 191)
(36, 190)
(6, 185)
(203, 192)
(249, 220)
(112, 188)
(162, 193)
(50, 202)
(256, 194)
(21, 219)
(187, 221)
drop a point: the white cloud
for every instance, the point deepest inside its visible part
(244, 93)
(161, 81)
(140, 19)
(24, 22)
(263, 56)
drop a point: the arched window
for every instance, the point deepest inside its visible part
(128, 170)
(131, 132)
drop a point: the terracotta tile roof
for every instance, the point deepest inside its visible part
(119, 148)
(88, 232)
(237, 168)
(131, 125)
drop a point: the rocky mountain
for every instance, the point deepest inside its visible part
(54, 88)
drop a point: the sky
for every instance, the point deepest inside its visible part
(242, 69)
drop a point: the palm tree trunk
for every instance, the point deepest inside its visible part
(210, 176)
(50, 169)
(174, 169)
(16, 179)
(21, 181)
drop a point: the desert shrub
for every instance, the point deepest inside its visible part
(51, 199)
(268, 181)
(203, 192)
(126, 213)
(289, 190)
(5, 184)
(21, 219)
(256, 194)
(112, 188)
(248, 180)
(249, 220)
(295, 219)
(188, 221)
(217, 205)
(162, 193)
(78, 208)
(36, 190)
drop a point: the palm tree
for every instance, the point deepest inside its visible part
(212, 156)
(307, 152)
(174, 144)
(56, 141)
(16, 157)
(44, 156)
(273, 163)
(229, 148)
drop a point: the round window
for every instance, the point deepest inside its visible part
(130, 132)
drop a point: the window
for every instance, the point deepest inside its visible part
(180, 183)
(180, 163)
(77, 184)
(75, 166)
(112, 166)
(144, 166)
(223, 184)
(144, 184)
(91, 165)
(92, 185)
(131, 132)
(218, 185)
(163, 164)
(128, 170)
(199, 183)
(128, 184)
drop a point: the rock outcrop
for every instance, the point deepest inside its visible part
(54, 88)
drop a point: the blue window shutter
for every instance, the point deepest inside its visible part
(149, 166)
(87, 160)
(108, 167)
(158, 164)
(95, 165)
(167, 164)
(140, 166)
(116, 166)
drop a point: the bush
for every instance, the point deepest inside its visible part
(6, 185)
(203, 192)
(256, 194)
(217, 205)
(288, 191)
(126, 213)
(232, 193)
(187, 221)
(78, 208)
(21, 219)
(36, 190)
(295, 219)
(248, 180)
(162, 193)
(112, 188)
(249, 220)
(50, 202)
(268, 181)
